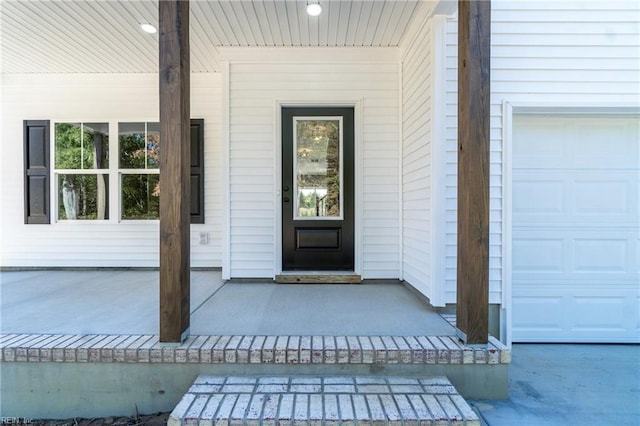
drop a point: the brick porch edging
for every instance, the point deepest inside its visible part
(342, 400)
(249, 349)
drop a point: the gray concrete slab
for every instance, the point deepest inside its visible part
(560, 384)
(89, 301)
(126, 301)
(310, 309)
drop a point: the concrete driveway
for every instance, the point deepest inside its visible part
(560, 384)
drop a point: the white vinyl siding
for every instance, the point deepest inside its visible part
(255, 88)
(417, 134)
(109, 98)
(549, 54)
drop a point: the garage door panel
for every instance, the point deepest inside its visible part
(565, 314)
(576, 229)
(637, 315)
(602, 143)
(606, 195)
(569, 196)
(595, 312)
(575, 253)
(609, 197)
(543, 196)
(538, 142)
(538, 255)
(598, 254)
(636, 249)
(540, 315)
(576, 142)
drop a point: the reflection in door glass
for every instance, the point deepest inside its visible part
(317, 144)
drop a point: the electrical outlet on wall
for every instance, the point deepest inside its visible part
(204, 238)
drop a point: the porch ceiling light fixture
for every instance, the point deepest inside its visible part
(148, 28)
(314, 9)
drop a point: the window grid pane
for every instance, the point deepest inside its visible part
(131, 138)
(83, 196)
(153, 145)
(139, 145)
(68, 146)
(95, 144)
(140, 196)
(83, 146)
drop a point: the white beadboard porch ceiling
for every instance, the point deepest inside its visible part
(96, 36)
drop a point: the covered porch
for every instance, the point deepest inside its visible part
(406, 227)
(109, 342)
(95, 351)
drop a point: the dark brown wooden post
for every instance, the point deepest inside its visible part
(474, 44)
(175, 163)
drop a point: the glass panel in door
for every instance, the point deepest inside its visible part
(318, 168)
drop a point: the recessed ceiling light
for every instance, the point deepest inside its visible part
(314, 9)
(148, 28)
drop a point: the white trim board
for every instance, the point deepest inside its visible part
(226, 184)
(438, 162)
(400, 172)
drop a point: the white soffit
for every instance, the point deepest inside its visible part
(96, 36)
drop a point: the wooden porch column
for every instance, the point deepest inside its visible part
(174, 170)
(474, 43)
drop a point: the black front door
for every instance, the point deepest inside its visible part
(317, 189)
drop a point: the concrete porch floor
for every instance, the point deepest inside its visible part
(84, 343)
(126, 302)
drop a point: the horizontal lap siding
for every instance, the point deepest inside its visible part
(99, 98)
(380, 200)
(553, 53)
(206, 103)
(417, 127)
(254, 90)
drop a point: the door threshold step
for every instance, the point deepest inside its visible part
(314, 400)
(316, 278)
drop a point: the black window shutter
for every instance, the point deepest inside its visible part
(36, 172)
(197, 170)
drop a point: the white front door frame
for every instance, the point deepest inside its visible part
(358, 174)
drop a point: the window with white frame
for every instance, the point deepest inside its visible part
(139, 166)
(82, 171)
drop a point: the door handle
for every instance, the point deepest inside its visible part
(285, 200)
(285, 189)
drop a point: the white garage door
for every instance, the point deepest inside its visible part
(576, 234)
